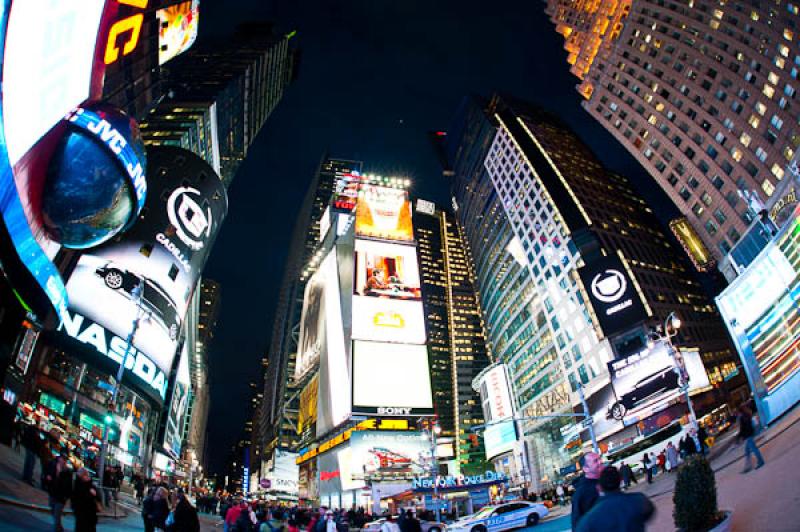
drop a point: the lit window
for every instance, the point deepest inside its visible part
(788, 153)
(761, 153)
(768, 90)
(753, 121)
(776, 122)
(718, 14)
(745, 139)
(777, 171)
(783, 50)
(779, 62)
(788, 34)
(736, 153)
(773, 78)
(714, 24)
(754, 15)
(768, 187)
(760, 108)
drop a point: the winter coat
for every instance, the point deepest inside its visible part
(583, 499)
(185, 516)
(84, 506)
(620, 512)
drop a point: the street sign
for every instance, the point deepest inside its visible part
(586, 423)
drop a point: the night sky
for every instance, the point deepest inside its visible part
(375, 77)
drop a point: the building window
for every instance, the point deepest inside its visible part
(768, 187)
(777, 171)
(711, 227)
(685, 194)
(720, 216)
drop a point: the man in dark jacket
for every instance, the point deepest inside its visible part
(32, 444)
(614, 510)
(58, 482)
(84, 502)
(185, 514)
(586, 487)
(747, 433)
(148, 510)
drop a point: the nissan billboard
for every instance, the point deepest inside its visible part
(163, 254)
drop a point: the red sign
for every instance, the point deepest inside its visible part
(328, 475)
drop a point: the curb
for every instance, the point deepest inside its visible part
(46, 509)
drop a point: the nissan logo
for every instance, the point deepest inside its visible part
(609, 286)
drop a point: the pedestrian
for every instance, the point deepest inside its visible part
(693, 444)
(614, 510)
(413, 524)
(160, 508)
(148, 507)
(747, 432)
(85, 502)
(560, 494)
(661, 461)
(32, 444)
(58, 482)
(648, 467)
(389, 525)
(672, 457)
(184, 516)
(625, 471)
(585, 486)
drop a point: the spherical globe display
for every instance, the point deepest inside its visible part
(88, 197)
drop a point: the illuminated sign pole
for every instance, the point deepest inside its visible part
(136, 295)
(433, 429)
(671, 326)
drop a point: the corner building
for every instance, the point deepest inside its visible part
(703, 94)
(536, 206)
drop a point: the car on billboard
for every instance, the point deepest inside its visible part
(155, 301)
(496, 518)
(426, 526)
(643, 391)
(384, 460)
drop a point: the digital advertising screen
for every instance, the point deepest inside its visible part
(163, 254)
(334, 395)
(761, 309)
(612, 294)
(388, 320)
(307, 414)
(381, 456)
(384, 213)
(177, 29)
(284, 475)
(311, 341)
(646, 382)
(495, 394)
(178, 408)
(499, 438)
(386, 270)
(391, 379)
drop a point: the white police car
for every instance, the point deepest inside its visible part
(501, 517)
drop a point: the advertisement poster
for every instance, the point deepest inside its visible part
(163, 254)
(285, 474)
(176, 419)
(646, 382)
(384, 213)
(388, 320)
(382, 456)
(391, 379)
(499, 438)
(386, 270)
(312, 324)
(307, 415)
(177, 29)
(495, 394)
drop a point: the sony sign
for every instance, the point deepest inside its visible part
(113, 347)
(393, 411)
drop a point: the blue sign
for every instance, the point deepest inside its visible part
(458, 481)
(28, 249)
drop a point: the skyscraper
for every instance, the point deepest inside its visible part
(456, 337)
(277, 426)
(219, 94)
(537, 209)
(702, 94)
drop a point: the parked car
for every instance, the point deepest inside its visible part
(427, 526)
(501, 517)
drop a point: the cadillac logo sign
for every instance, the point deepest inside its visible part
(609, 286)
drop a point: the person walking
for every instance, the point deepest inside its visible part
(148, 508)
(160, 510)
(647, 462)
(413, 524)
(389, 525)
(614, 510)
(184, 516)
(585, 487)
(32, 444)
(85, 502)
(747, 432)
(672, 457)
(58, 482)
(625, 471)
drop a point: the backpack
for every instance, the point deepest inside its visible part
(243, 522)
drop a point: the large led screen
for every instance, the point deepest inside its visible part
(307, 414)
(386, 270)
(383, 213)
(391, 379)
(177, 29)
(176, 417)
(163, 253)
(334, 395)
(47, 66)
(647, 382)
(761, 308)
(388, 320)
(499, 438)
(312, 323)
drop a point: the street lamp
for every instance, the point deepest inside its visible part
(670, 329)
(136, 295)
(433, 429)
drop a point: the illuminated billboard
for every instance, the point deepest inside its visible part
(178, 408)
(499, 438)
(386, 270)
(384, 213)
(391, 379)
(692, 244)
(307, 414)
(388, 320)
(646, 382)
(334, 395)
(312, 323)
(495, 394)
(761, 308)
(163, 254)
(177, 29)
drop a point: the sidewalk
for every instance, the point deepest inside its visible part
(18, 493)
(763, 500)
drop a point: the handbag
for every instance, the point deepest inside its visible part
(170, 519)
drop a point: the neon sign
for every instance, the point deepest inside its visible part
(130, 27)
